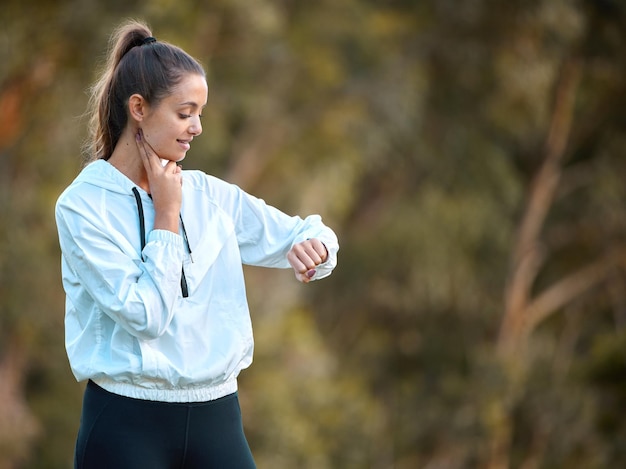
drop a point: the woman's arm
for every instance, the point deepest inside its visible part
(270, 238)
(101, 268)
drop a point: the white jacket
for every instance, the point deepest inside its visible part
(128, 326)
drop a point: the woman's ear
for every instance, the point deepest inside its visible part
(136, 107)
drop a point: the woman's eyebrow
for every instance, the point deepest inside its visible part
(191, 104)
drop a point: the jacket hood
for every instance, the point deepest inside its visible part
(102, 174)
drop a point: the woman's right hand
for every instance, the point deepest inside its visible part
(165, 186)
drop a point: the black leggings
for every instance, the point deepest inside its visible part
(123, 433)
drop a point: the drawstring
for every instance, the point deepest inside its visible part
(182, 223)
(142, 233)
(142, 228)
(183, 280)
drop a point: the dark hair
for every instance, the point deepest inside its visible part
(136, 63)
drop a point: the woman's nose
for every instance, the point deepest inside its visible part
(195, 128)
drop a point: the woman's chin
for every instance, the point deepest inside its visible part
(174, 158)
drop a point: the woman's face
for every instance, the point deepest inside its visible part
(170, 125)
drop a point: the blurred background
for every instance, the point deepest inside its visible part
(469, 154)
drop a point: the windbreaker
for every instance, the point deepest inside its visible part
(169, 321)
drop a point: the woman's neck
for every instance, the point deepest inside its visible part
(126, 159)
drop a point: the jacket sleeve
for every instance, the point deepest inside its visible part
(98, 270)
(265, 234)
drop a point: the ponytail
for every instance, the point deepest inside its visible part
(136, 63)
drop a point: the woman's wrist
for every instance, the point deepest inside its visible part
(166, 220)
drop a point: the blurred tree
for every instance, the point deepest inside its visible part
(498, 81)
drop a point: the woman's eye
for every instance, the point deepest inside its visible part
(185, 116)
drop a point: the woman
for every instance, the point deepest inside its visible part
(156, 315)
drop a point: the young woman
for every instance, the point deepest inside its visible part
(156, 315)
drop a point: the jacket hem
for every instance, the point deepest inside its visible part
(193, 394)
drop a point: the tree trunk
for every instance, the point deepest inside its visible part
(527, 260)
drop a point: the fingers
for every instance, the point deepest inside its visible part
(151, 160)
(143, 151)
(307, 255)
(304, 257)
(165, 184)
(148, 155)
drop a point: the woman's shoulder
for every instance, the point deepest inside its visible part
(208, 184)
(98, 177)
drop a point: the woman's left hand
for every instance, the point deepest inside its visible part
(305, 256)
